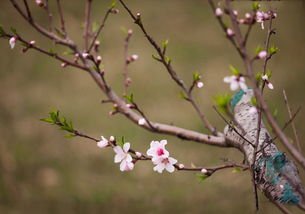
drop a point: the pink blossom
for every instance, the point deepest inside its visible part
(157, 150)
(165, 163)
(103, 142)
(236, 82)
(218, 12)
(262, 54)
(134, 57)
(199, 84)
(253, 110)
(141, 121)
(123, 157)
(230, 32)
(204, 171)
(269, 84)
(138, 154)
(12, 42)
(248, 16)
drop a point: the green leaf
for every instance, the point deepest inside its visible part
(68, 52)
(155, 57)
(273, 50)
(255, 6)
(236, 169)
(196, 77)
(13, 30)
(52, 51)
(129, 98)
(254, 101)
(269, 74)
(202, 177)
(222, 101)
(258, 77)
(121, 142)
(234, 70)
(182, 95)
(69, 136)
(48, 120)
(164, 44)
(113, 5)
(2, 32)
(258, 49)
(54, 115)
(167, 60)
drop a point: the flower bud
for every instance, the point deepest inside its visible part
(230, 32)
(40, 3)
(204, 171)
(138, 15)
(138, 154)
(86, 55)
(114, 11)
(98, 59)
(248, 16)
(111, 139)
(64, 64)
(181, 166)
(128, 105)
(218, 12)
(134, 57)
(12, 42)
(199, 84)
(32, 42)
(262, 54)
(130, 32)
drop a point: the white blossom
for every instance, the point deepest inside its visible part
(269, 84)
(199, 84)
(218, 12)
(236, 82)
(123, 157)
(141, 121)
(12, 42)
(166, 163)
(103, 142)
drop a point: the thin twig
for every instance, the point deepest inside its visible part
(49, 15)
(62, 20)
(87, 24)
(282, 208)
(126, 63)
(166, 62)
(297, 140)
(99, 29)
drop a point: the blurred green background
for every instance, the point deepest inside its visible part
(42, 172)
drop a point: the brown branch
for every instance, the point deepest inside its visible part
(87, 24)
(49, 15)
(282, 208)
(66, 42)
(297, 140)
(126, 63)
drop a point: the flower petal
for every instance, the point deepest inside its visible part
(126, 147)
(172, 160)
(159, 168)
(118, 158)
(243, 86)
(234, 85)
(227, 79)
(118, 150)
(270, 85)
(170, 168)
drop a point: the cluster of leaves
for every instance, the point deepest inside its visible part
(60, 121)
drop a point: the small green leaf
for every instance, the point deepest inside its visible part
(196, 77)
(234, 70)
(236, 169)
(167, 60)
(258, 77)
(113, 5)
(273, 50)
(54, 115)
(155, 57)
(121, 142)
(68, 52)
(222, 101)
(164, 44)
(258, 49)
(52, 51)
(255, 6)
(13, 30)
(129, 98)
(69, 136)
(2, 32)
(182, 95)
(254, 101)
(269, 74)
(202, 177)
(48, 120)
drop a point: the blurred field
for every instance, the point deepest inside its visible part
(42, 172)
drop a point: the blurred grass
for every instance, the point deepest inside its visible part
(42, 172)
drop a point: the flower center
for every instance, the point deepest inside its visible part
(160, 152)
(165, 161)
